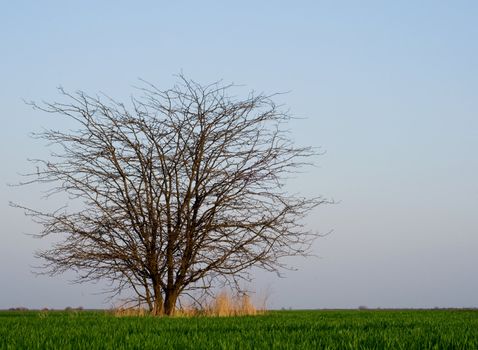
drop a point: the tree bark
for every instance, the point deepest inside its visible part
(158, 301)
(170, 303)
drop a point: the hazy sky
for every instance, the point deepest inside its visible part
(388, 89)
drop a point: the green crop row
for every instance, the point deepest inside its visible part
(424, 329)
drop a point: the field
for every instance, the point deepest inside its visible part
(364, 329)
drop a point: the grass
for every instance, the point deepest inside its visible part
(221, 306)
(368, 329)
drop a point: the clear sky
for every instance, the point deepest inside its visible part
(388, 90)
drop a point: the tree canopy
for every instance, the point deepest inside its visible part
(180, 189)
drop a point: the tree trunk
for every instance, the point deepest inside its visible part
(158, 301)
(170, 303)
(157, 307)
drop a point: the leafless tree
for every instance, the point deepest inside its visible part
(180, 189)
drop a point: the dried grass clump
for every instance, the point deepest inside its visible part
(129, 312)
(223, 305)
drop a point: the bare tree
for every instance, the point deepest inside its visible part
(180, 189)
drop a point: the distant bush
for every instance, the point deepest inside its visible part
(70, 309)
(21, 308)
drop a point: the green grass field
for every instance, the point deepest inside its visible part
(380, 329)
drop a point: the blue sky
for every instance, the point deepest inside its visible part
(388, 90)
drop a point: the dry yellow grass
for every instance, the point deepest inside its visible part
(223, 305)
(129, 311)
